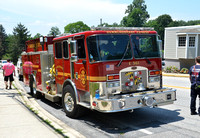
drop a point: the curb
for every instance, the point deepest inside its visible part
(176, 75)
(53, 122)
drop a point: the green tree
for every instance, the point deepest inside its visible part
(177, 23)
(137, 14)
(184, 23)
(54, 31)
(37, 36)
(193, 22)
(151, 23)
(17, 43)
(3, 42)
(11, 42)
(76, 27)
(162, 22)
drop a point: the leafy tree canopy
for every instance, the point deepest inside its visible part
(76, 27)
(137, 14)
(54, 31)
(151, 23)
(10, 44)
(37, 36)
(17, 42)
(162, 22)
(3, 42)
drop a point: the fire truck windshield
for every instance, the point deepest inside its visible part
(108, 47)
(145, 46)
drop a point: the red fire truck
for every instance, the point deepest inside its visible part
(105, 69)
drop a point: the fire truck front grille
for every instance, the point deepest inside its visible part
(133, 80)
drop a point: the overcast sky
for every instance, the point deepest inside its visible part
(40, 15)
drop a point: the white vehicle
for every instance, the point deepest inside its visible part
(163, 64)
(20, 69)
(2, 62)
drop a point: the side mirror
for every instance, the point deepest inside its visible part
(73, 47)
(160, 47)
(74, 58)
(160, 44)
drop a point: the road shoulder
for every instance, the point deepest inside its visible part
(52, 121)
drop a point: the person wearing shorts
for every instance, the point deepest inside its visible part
(8, 70)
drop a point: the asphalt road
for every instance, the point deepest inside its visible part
(165, 121)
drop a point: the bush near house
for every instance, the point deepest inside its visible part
(184, 70)
(174, 69)
(171, 69)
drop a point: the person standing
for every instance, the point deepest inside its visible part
(8, 70)
(195, 85)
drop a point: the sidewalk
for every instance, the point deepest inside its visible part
(16, 121)
(22, 117)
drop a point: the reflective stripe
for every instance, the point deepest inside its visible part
(90, 78)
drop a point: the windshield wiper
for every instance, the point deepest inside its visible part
(148, 61)
(120, 62)
(137, 50)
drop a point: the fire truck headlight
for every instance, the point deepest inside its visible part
(154, 79)
(113, 84)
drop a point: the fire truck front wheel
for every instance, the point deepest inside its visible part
(70, 106)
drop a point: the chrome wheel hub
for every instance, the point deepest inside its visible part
(69, 102)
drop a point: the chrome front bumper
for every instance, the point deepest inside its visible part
(131, 101)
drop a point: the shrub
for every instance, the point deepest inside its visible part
(184, 70)
(168, 69)
(174, 69)
(171, 69)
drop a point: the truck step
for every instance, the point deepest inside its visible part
(52, 98)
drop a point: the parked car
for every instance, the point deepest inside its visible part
(163, 64)
(20, 70)
(2, 62)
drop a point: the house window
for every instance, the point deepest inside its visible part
(181, 41)
(191, 41)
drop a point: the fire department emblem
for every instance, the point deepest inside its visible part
(83, 77)
(59, 75)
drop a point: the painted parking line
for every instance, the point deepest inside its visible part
(146, 131)
(176, 87)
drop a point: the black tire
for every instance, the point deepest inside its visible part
(21, 77)
(31, 84)
(70, 106)
(33, 90)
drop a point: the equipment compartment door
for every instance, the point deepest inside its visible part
(59, 75)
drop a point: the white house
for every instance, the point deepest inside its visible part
(181, 46)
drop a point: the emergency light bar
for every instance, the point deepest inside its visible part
(124, 28)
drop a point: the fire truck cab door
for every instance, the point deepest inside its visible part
(80, 68)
